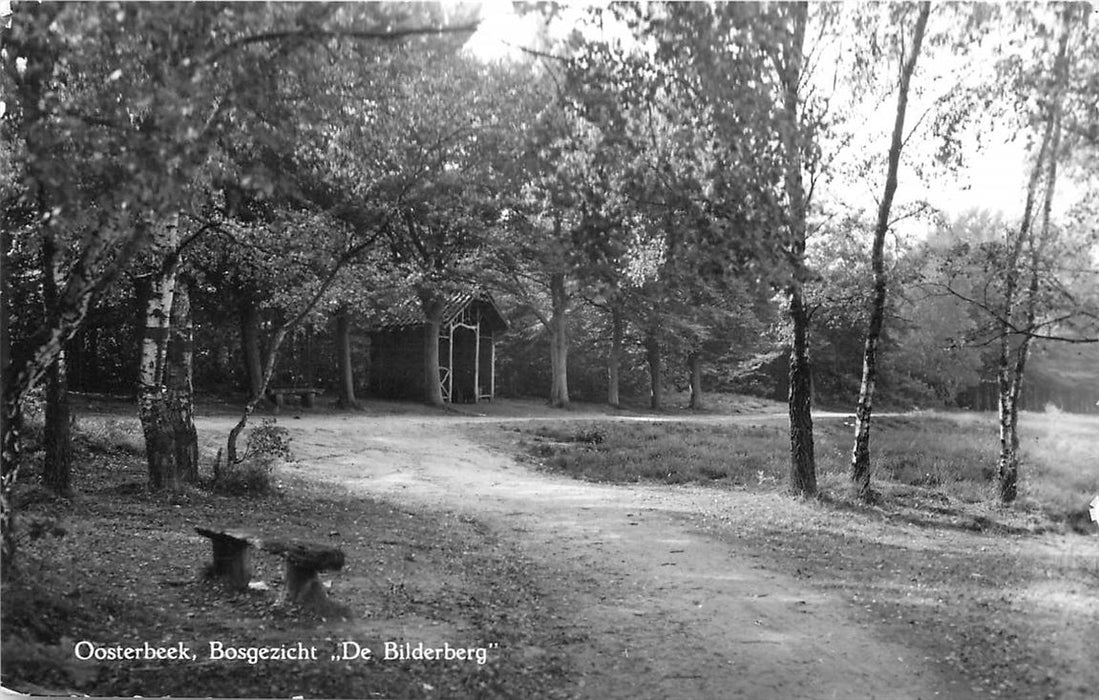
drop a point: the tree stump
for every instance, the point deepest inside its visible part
(231, 560)
(303, 561)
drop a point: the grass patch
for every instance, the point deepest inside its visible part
(947, 458)
(671, 453)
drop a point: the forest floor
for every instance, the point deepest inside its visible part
(458, 532)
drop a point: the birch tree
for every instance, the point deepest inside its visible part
(1026, 294)
(1022, 271)
(860, 456)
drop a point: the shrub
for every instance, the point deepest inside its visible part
(267, 445)
(269, 440)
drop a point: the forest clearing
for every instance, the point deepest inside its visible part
(641, 349)
(456, 532)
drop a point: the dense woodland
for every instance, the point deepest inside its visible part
(200, 200)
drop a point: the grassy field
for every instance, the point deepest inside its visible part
(951, 455)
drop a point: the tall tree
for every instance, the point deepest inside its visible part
(1026, 292)
(73, 94)
(789, 60)
(860, 456)
(452, 183)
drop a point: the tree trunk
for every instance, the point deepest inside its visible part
(179, 383)
(1010, 374)
(347, 399)
(57, 437)
(28, 364)
(694, 368)
(559, 342)
(152, 399)
(803, 469)
(9, 411)
(656, 372)
(860, 453)
(1008, 464)
(615, 360)
(231, 450)
(272, 355)
(11, 425)
(803, 472)
(58, 433)
(367, 362)
(249, 342)
(432, 306)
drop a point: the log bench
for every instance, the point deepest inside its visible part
(306, 394)
(303, 560)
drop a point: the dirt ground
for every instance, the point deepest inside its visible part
(660, 608)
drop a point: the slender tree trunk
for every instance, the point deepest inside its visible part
(250, 347)
(694, 368)
(615, 360)
(1008, 414)
(232, 457)
(1010, 374)
(152, 398)
(656, 371)
(57, 437)
(860, 454)
(347, 368)
(179, 382)
(803, 469)
(271, 357)
(559, 342)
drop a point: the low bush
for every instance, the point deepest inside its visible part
(269, 440)
(251, 477)
(267, 446)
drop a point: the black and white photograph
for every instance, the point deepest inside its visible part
(537, 350)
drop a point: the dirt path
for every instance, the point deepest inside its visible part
(660, 611)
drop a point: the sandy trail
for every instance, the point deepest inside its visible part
(667, 612)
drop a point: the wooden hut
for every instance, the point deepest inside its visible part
(470, 326)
